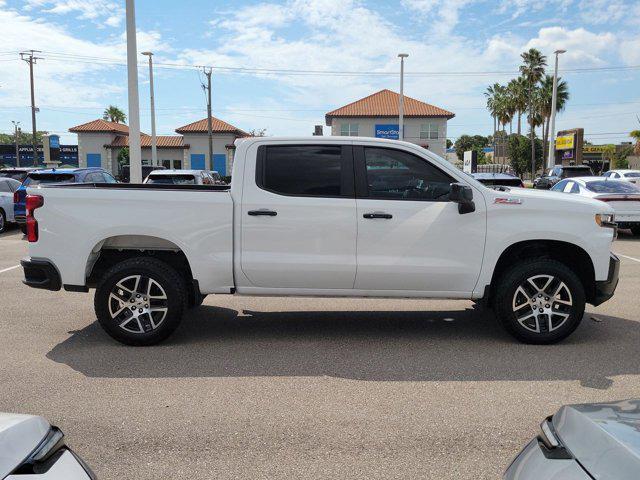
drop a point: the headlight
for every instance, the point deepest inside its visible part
(606, 220)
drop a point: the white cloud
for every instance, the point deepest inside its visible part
(107, 12)
(584, 48)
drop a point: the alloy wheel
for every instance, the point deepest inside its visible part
(542, 303)
(138, 304)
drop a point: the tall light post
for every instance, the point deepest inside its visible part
(154, 145)
(16, 130)
(554, 101)
(135, 154)
(401, 56)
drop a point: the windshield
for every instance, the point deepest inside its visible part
(603, 186)
(172, 179)
(577, 172)
(632, 175)
(47, 178)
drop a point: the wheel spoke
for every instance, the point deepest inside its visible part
(549, 300)
(138, 304)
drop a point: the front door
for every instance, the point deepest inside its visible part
(299, 218)
(410, 237)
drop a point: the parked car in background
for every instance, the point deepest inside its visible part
(583, 442)
(55, 176)
(632, 176)
(324, 216)
(560, 172)
(17, 173)
(624, 197)
(125, 172)
(31, 448)
(498, 179)
(184, 177)
(7, 188)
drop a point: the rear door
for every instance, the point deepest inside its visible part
(298, 222)
(410, 236)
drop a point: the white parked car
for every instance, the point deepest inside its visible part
(323, 216)
(30, 448)
(632, 176)
(8, 186)
(623, 196)
(184, 177)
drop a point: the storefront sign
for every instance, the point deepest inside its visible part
(567, 154)
(565, 142)
(391, 131)
(593, 148)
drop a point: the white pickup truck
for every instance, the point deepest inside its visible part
(323, 216)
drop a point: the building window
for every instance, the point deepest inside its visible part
(429, 131)
(349, 129)
(175, 164)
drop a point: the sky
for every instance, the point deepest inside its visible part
(282, 65)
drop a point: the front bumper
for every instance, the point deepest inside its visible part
(532, 464)
(40, 274)
(604, 289)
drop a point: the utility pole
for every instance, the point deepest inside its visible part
(154, 145)
(554, 101)
(16, 131)
(209, 127)
(135, 154)
(402, 56)
(30, 58)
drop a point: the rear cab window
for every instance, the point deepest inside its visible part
(576, 172)
(305, 170)
(179, 179)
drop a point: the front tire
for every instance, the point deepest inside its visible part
(635, 231)
(3, 221)
(140, 301)
(539, 301)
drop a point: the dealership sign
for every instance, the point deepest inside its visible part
(391, 131)
(564, 142)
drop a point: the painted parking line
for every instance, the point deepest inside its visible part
(10, 268)
(630, 258)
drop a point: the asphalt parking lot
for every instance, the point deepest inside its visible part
(272, 388)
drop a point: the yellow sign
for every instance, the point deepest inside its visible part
(593, 148)
(564, 142)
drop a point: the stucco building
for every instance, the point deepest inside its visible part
(377, 116)
(100, 142)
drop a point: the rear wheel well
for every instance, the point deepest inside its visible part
(176, 259)
(569, 254)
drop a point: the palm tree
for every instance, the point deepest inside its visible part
(546, 100)
(518, 92)
(532, 68)
(635, 134)
(114, 114)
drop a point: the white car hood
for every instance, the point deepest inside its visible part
(19, 436)
(559, 201)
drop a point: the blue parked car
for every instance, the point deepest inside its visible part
(55, 176)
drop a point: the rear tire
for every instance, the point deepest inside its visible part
(23, 228)
(3, 221)
(539, 301)
(140, 301)
(635, 231)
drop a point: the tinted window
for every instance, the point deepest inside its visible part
(576, 172)
(398, 175)
(632, 175)
(575, 188)
(47, 178)
(314, 170)
(172, 179)
(603, 186)
(95, 177)
(4, 187)
(108, 178)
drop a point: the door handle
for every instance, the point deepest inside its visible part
(377, 215)
(262, 211)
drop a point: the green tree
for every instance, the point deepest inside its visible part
(545, 104)
(123, 156)
(519, 151)
(114, 114)
(24, 138)
(518, 93)
(532, 69)
(468, 142)
(635, 134)
(449, 143)
(609, 153)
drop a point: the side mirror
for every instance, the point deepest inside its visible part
(463, 196)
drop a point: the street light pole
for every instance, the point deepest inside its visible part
(30, 58)
(209, 125)
(554, 101)
(15, 130)
(154, 145)
(135, 154)
(402, 56)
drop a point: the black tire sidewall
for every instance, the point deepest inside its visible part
(3, 222)
(170, 281)
(515, 276)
